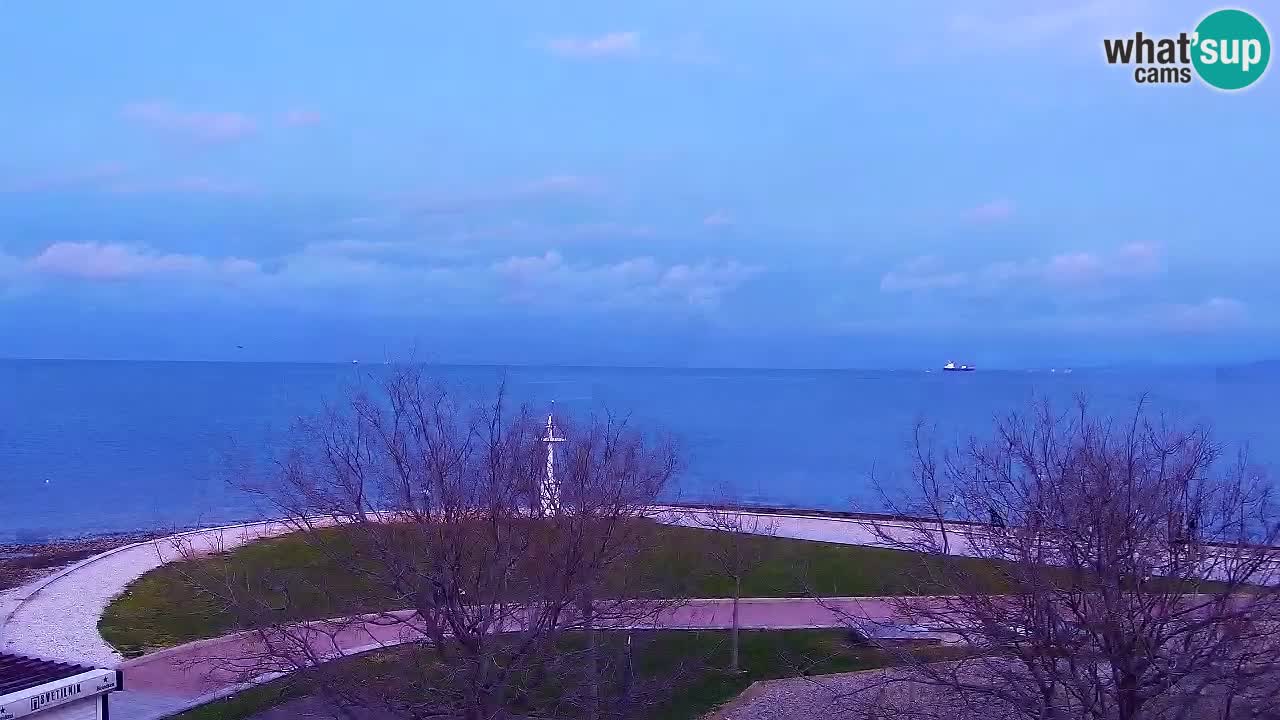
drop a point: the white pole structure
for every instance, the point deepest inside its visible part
(549, 492)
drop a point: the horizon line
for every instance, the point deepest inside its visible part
(579, 366)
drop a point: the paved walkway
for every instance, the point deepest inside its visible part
(57, 616)
(172, 680)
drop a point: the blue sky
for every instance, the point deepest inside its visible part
(812, 184)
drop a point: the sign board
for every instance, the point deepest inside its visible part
(59, 692)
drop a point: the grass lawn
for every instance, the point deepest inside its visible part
(170, 606)
(764, 655)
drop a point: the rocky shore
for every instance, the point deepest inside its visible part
(22, 562)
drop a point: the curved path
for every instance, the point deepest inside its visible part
(177, 679)
(57, 616)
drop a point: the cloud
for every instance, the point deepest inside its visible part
(560, 185)
(606, 230)
(1014, 26)
(471, 241)
(1130, 261)
(544, 188)
(397, 276)
(613, 44)
(355, 247)
(98, 261)
(1072, 267)
(202, 126)
(195, 184)
(1075, 269)
(719, 218)
(298, 117)
(91, 177)
(994, 211)
(1142, 257)
(922, 273)
(640, 281)
(115, 178)
(1214, 314)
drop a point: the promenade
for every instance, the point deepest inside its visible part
(57, 616)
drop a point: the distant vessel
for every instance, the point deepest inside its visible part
(958, 368)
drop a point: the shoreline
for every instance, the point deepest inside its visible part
(23, 562)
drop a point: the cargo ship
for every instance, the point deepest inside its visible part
(952, 367)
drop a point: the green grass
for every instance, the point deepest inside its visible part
(703, 686)
(763, 655)
(172, 604)
(245, 704)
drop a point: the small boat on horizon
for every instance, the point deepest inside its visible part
(952, 367)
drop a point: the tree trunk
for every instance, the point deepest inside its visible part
(1127, 704)
(733, 632)
(593, 670)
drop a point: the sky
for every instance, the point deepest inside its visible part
(717, 183)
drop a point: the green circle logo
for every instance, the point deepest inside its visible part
(1232, 49)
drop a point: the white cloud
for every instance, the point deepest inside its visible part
(1072, 267)
(115, 178)
(193, 184)
(1022, 25)
(109, 261)
(719, 218)
(1076, 269)
(1217, 313)
(993, 211)
(613, 44)
(1130, 261)
(203, 126)
(922, 273)
(299, 117)
(454, 201)
(388, 277)
(91, 177)
(607, 229)
(560, 185)
(639, 281)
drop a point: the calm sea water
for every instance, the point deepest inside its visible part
(104, 446)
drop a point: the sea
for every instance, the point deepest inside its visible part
(90, 447)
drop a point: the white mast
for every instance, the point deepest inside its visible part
(549, 491)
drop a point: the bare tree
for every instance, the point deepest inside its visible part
(735, 548)
(1131, 571)
(434, 510)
